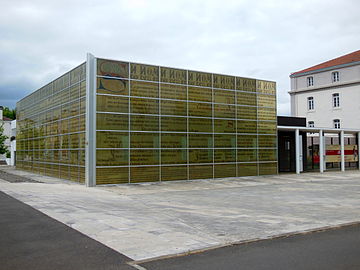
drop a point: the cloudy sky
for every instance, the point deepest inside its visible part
(41, 39)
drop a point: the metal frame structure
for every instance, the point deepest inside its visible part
(322, 131)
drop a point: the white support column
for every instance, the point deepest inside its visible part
(90, 135)
(297, 151)
(358, 145)
(321, 151)
(342, 151)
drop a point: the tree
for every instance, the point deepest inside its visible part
(3, 147)
(11, 113)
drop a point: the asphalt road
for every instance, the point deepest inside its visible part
(31, 240)
(335, 249)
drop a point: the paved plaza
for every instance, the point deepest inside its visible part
(145, 221)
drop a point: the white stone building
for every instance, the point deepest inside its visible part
(328, 94)
(6, 123)
(13, 143)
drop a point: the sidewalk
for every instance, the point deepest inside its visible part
(150, 220)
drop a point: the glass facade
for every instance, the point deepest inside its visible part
(51, 128)
(162, 124)
(151, 124)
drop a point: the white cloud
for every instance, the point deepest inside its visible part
(39, 40)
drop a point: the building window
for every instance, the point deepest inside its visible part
(336, 123)
(310, 103)
(311, 124)
(336, 100)
(335, 76)
(310, 81)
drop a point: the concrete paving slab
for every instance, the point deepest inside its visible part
(145, 221)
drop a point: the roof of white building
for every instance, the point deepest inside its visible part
(345, 60)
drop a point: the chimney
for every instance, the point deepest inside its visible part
(1, 112)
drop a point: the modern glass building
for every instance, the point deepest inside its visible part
(113, 122)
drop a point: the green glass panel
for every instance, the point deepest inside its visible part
(144, 89)
(267, 127)
(82, 140)
(64, 125)
(172, 107)
(73, 125)
(244, 126)
(246, 84)
(82, 89)
(224, 170)
(199, 78)
(267, 155)
(82, 157)
(169, 173)
(225, 155)
(245, 155)
(74, 157)
(224, 140)
(74, 92)
(105, 176)
(112, 157)
(266, 87)
(81, 174)
(222, 96)
(144, 123)
(144, 72)
(174, 124)
(201, 171)
(200, 140)
(108, 139)
(200, 94)
(144, 157)
(173, 156)
(112, 104)
(65, 111)
(173, 91)
(82, 123)
(267, 114)
(247, 169)
(144, 106)
(74, 108)
(245, 98)
(75, 75)
(144, 140)
(266, 101)
(224, 126)
(267, 168)
(224, 111)
(112, 86)
(201, 155)
(144, 174)
(172, 140)
(244, 112)
(200, 125)
(247, 141)
(267, 141)
(223, 81)
(112, 121)
(112, 68)
(200, 109)
(172, 75)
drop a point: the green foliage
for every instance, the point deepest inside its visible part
(3, 148)
(11, 113)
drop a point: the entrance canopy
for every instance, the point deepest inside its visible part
(321, 132)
